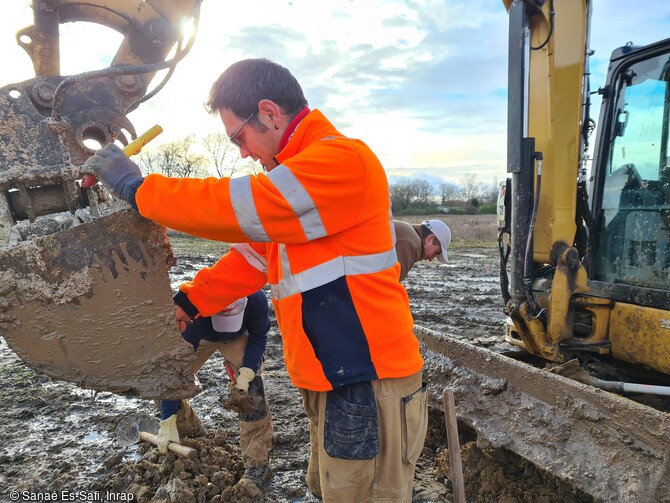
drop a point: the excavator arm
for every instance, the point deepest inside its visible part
(547, 86)
(46, 122)
(585, 277)
(86, 295)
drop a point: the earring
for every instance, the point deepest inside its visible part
(276, 127)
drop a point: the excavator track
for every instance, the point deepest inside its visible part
(610, 447)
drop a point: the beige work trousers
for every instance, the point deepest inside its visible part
(402, 411)
(255, 436)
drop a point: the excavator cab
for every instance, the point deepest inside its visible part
(633, 216)
(630, 189)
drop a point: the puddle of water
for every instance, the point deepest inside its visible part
(101, 398)
(94, 437)
(186, 269)
(472, 255)
(132, 453)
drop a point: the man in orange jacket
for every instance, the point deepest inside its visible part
(318, 227)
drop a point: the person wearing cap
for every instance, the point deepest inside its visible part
(239, 332)
(423, 241)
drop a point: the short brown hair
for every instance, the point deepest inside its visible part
(242, 85)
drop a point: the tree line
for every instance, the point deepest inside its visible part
(216, 156)
(411, 196)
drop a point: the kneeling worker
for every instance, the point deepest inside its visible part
(423, 241)
(239, 333)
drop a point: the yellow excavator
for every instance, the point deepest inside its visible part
(591, 268)
(585, 265)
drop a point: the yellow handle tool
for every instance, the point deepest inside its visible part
(136, 145)
(132, 148)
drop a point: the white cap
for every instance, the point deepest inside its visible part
(443, 235)
(230, 319)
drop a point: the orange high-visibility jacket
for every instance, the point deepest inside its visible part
(318, 228)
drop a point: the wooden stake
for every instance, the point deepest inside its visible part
(454, 445)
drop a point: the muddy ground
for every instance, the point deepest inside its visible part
(57, 437)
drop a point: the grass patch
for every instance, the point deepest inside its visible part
(186, 245)
(466, 231)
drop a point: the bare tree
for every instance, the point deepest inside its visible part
(149, 162)
(401, 194)
(470, 187)
(250, 168)
(422, 191)
(174, 159)
(448, 192)
(489, 193)
(406, 192)
(163, 159)
(224, 157)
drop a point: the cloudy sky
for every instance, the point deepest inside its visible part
(423, 82)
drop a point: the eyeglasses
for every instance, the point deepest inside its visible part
(233, 137)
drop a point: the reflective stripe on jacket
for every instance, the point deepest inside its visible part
(318, 228)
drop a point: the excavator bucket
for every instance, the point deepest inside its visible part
(92, 304)
(84, 294)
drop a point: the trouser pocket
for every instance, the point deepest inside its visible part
(351, 429)
(414, 423)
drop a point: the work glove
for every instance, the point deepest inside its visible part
(167, 433)
(116, 170)
(246, 376)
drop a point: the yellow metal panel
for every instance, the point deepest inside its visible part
(555, 107)
(641, 335)
(565, 284)
(600, 312)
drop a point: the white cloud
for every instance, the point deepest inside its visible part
(423, 82)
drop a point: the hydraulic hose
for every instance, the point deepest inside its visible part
(627, 387)
(528, 257)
